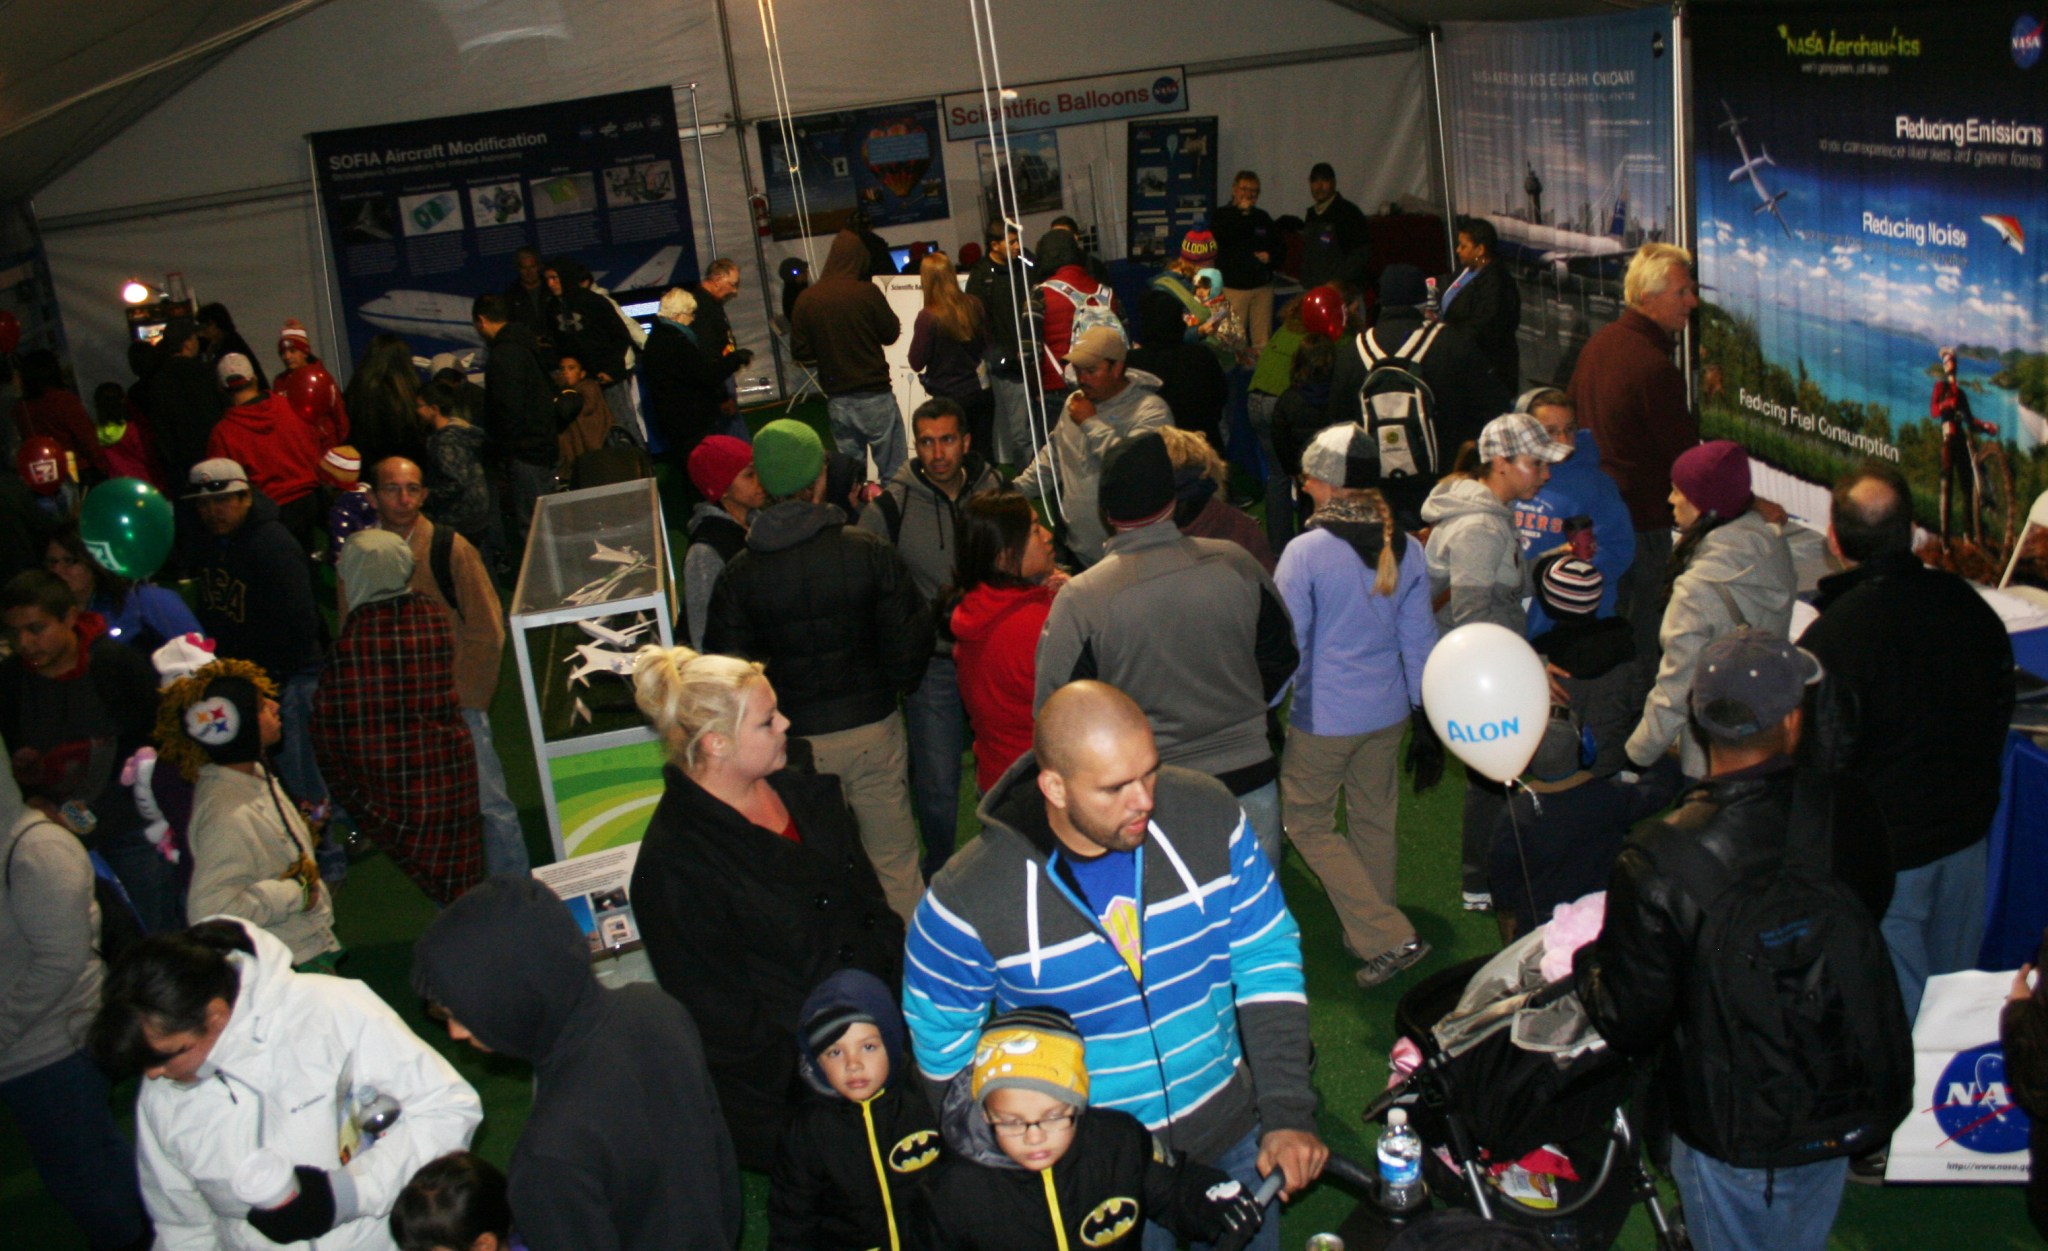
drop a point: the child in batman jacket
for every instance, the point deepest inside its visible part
(1032, 1165)
(850, 1164)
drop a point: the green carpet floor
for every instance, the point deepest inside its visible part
(379, 914)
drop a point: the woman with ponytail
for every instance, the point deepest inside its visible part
(752, 886)
(1358, 590)
(240, 1056)
(1729, 571)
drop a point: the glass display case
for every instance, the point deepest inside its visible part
(595, 586)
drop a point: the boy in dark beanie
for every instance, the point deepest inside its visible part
(849, 1169)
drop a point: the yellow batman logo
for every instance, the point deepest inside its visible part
(1111, 1220)
(914, 1151)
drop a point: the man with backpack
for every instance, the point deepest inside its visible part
(1741, 940)
(1420, 390)
(449, 572)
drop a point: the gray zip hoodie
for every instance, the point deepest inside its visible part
(1475, 555)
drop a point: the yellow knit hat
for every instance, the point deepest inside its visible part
(1032, 1049)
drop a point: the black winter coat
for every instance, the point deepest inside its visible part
(1466, 392)
(519, 398)
(1488, 309)
(589, 325)
(830, 609)
(1190, 381)
(184, 405)
(823, 1194)
(1635, 979)
(1926, 669)
(1110, 1182)
(741, 924)
(685, 385)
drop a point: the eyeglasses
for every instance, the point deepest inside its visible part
(1057, 1123)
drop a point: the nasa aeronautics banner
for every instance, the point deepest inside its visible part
(1964, 1126)
(424, 216)
(1561, 137)
(1873, 209)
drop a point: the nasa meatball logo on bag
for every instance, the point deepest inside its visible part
(1964, 1126)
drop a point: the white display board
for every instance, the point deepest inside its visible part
(1964, 1126)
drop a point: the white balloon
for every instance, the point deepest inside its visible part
(1486, 692)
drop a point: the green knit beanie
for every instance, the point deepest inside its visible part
(788, 456)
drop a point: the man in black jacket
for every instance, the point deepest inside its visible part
(1002, 282)
(1647, 986)
(1485, 302)
(836, 617)
(1926, 666)
(1467, 394)
(1334, 234)
(184, 401)
(520, 415)
(625, 1147)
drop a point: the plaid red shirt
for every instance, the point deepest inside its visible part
(391, 743)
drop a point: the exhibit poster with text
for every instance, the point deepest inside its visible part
(425, 216)
(886, 160)
(1561, 137)
(1173, 184)
(1871, 198)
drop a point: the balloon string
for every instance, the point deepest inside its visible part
(1521, 852)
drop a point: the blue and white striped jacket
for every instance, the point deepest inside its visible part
(1211, 1043)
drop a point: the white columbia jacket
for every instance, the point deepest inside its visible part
(272, 1081)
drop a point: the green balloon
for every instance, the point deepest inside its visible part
(127, 525)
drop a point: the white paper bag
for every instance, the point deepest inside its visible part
(1964, 1126)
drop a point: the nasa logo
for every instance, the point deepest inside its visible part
(2026, 41)
(914, 1151)
(1974, 1107)
(1110, 1220)
(1167, 89)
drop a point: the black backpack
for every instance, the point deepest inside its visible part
(1397, 408)
(121, 925)
(1797, 1018)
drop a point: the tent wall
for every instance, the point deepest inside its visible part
(216, 183)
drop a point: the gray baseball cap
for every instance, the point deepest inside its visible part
(1749, 681)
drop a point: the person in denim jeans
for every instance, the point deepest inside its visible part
(917, 514)
(843, 322)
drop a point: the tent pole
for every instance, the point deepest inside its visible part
(703, 175)
(337, 328)
(739, 134)
(1443, 145)
(1681, 183)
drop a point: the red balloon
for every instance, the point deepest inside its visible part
(1322, 312)
(41, 464)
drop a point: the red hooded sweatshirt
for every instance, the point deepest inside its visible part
(995, 632)
(268, 438)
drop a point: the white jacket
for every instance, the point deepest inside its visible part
(271, 1081)
(1742, 569)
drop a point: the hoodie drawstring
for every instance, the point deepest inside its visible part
(1031, 914)
(867, 1119)
(1052, 1201)
(1180, 867)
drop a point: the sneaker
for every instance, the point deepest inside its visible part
(1478, 901)
(1388, 965)
(1868, 1169)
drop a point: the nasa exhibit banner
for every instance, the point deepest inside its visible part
(424, 216)
(886, 159)
(1070, 102)
(1561, 137)
(1172, 184)
(1873, 189)
(1964, 1126)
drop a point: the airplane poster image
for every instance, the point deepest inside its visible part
(1750, 168)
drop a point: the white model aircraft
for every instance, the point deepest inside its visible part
(616, 555)
(616, 638)
(1749, 168)
(596, 659)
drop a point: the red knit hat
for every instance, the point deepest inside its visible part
(1198, 247)
(715, 462)
(1715, 477)
(294, 335)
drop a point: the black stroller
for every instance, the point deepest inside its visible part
(1495, 1101)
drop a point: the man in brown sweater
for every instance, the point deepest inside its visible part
(461, 586)
(843, 322)
(1632, 397)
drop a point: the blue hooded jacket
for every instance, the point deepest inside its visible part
(1578, 486)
